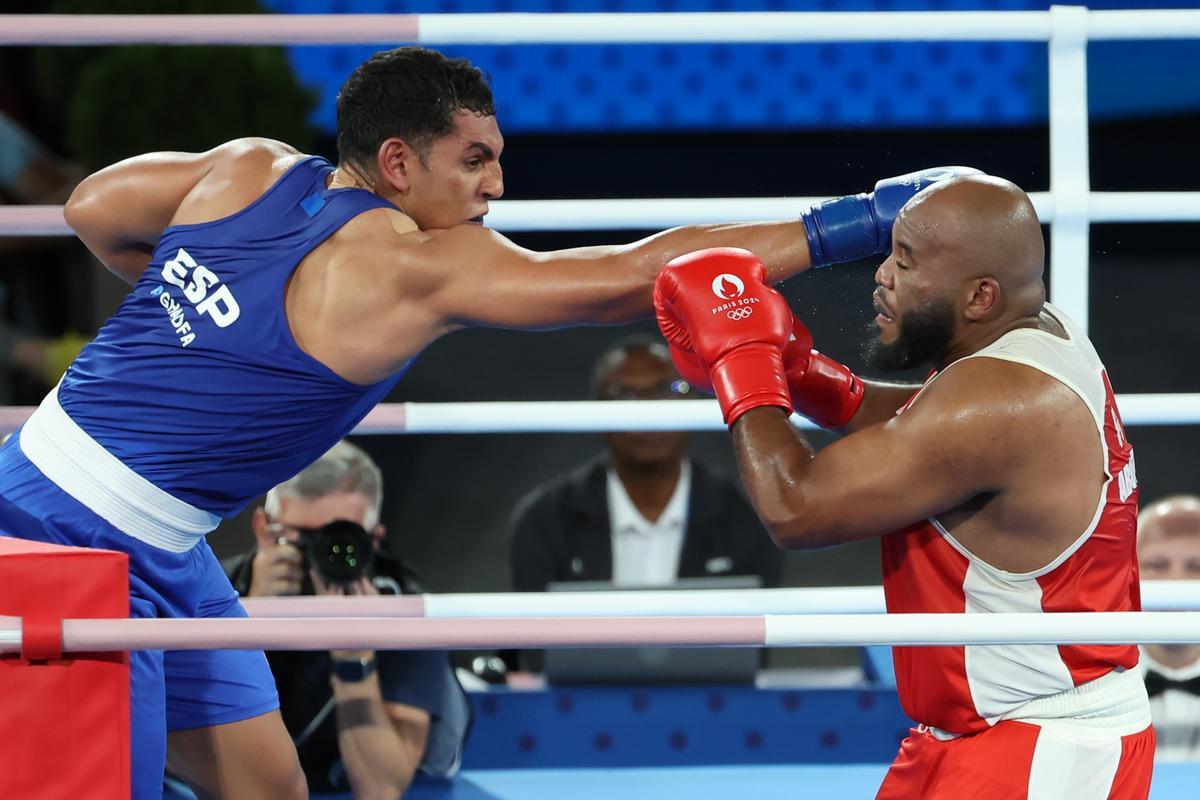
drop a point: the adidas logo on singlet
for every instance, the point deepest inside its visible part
(202, 288)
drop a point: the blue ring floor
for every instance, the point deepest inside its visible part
(767, 782)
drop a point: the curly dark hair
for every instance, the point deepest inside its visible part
(409, 92)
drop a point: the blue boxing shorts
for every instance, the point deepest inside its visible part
(170, 690)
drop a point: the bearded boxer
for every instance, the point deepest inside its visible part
(1005, 483)
(276, 299)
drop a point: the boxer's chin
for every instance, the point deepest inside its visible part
(923, 338)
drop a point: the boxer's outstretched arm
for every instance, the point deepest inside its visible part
(478, 277)
(959, 441)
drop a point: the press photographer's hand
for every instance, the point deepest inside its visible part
(277, 570)
(361, 587)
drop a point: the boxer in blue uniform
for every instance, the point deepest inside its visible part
(276, 299)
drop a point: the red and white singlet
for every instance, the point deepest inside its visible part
(963, 690)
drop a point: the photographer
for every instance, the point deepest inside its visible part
(362, 721)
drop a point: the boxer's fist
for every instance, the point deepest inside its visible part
(860, 225)
(716, 304)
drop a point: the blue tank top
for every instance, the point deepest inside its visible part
(196, 383)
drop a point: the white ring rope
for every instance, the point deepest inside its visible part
(594, 416)
(818, 630)
(516, 216)
(500, 29)
(1156, 596)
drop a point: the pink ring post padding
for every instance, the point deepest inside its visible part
(405, 634)
(281, 29)
(408, 606)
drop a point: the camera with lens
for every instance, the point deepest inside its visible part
(340, 551)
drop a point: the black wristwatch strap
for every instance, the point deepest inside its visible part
(353, 671)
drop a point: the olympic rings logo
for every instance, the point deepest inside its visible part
(740, 313)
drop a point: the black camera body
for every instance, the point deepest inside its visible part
(340, 552)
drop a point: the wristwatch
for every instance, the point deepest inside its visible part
(353, 671)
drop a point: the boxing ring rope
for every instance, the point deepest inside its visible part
(588, 416)
(1156, 596)
(518, 216)
(592, 28)
(818, 630)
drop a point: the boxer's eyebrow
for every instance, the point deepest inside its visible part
(484, 150)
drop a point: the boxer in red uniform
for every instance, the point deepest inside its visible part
(1005, 483)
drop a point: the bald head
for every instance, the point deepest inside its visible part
(1172, 516)
(985, 227)
(1169, 539)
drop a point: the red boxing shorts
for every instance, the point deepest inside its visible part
(1021, 761)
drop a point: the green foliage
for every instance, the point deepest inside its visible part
(120, 101)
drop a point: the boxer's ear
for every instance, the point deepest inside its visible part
(395, 162)
(984, 301)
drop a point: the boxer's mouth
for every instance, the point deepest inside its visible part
(882, 310)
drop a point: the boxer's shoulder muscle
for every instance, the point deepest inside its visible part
(1021, 414)
(357, 304)
(238, 173)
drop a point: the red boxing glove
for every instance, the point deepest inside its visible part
(688, 365)
(716, 304)
(823, 390)
(679, 343)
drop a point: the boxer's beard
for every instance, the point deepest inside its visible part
(924, 337)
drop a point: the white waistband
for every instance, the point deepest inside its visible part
(82, 468)
(1113, 704)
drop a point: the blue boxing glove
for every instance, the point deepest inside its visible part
(860, 225)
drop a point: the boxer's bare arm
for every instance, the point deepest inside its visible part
(481, 278)
(880, 403)
(391, 290)
(120, 212)
(974, 432)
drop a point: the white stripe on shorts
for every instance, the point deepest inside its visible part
(1070, 766)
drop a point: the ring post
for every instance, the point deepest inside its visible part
(64, 722)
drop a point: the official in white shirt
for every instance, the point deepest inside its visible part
(1169, 549)
(643, 515)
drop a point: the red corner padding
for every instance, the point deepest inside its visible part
(64, 721)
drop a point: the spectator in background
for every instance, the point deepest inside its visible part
(29, 174)
(1169, 549)
(362, 721)
(643, 515)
